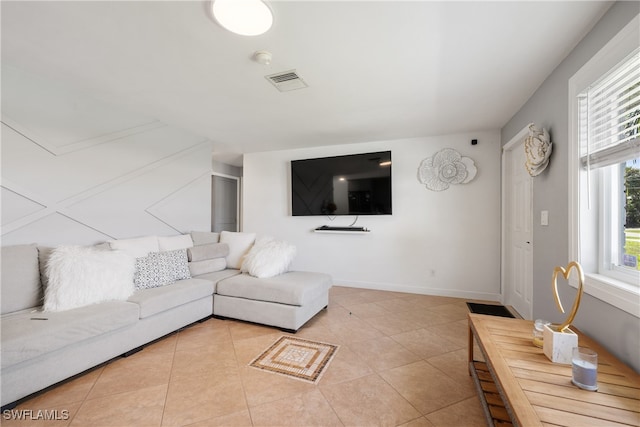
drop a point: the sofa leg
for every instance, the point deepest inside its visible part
(132, 352)
(289, 331)
(10, 406)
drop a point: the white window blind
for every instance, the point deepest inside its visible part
(610, 116)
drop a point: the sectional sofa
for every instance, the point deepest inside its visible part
(49, 335)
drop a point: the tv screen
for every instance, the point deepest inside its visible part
(357, 184)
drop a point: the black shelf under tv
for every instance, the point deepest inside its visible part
(348, 229)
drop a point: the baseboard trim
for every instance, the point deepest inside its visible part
(484, 296)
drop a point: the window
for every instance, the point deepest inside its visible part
(604, 184)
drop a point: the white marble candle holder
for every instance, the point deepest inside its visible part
(558, 346)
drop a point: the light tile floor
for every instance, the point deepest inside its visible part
(401, 362)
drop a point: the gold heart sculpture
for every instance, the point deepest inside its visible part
(576, 303)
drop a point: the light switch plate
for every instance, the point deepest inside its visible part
(544, 218)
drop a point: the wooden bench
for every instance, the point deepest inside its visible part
(518, 385)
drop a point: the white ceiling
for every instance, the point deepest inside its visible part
(376, 70)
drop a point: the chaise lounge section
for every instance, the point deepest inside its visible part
(286, 301)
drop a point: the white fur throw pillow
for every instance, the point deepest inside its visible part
(80, 276)
(268, 258)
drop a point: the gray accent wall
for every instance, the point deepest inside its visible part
(548, 107)
(77, 170)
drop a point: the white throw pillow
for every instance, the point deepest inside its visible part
(268, 258)
(239, 244)
(80, 276)
(171, 243)
(138, 247)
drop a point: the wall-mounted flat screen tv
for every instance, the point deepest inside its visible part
(357, 184)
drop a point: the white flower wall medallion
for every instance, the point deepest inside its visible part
(537, 148)
(444, 168)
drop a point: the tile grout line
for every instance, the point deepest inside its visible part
(86, 397)
(173, 361)
(242, 380)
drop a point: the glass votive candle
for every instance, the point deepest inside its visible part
(538, 328)
(584, 366)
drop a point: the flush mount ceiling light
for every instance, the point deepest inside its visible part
(244, 17)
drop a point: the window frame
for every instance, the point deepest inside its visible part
(608, 288)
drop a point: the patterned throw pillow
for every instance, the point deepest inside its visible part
(177, 263)
(161, 268)
(151, 272)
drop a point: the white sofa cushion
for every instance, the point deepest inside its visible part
(239, 244)
(208, 251)
(204, 237)
(292, 288)
(25, 335)
(156, 300)
(207, 258)
(20, 278)
(207, 266)
(217, 276)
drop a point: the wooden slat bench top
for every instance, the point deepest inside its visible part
(537, 392)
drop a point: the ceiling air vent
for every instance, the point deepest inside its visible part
(286, 81)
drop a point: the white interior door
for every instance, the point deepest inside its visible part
(517, 207)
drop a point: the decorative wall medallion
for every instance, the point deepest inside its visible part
(537, 148)
(444, 168)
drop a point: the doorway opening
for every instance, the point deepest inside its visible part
(225, 203)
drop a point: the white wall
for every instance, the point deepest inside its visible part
(440, 243)
(79, 171)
